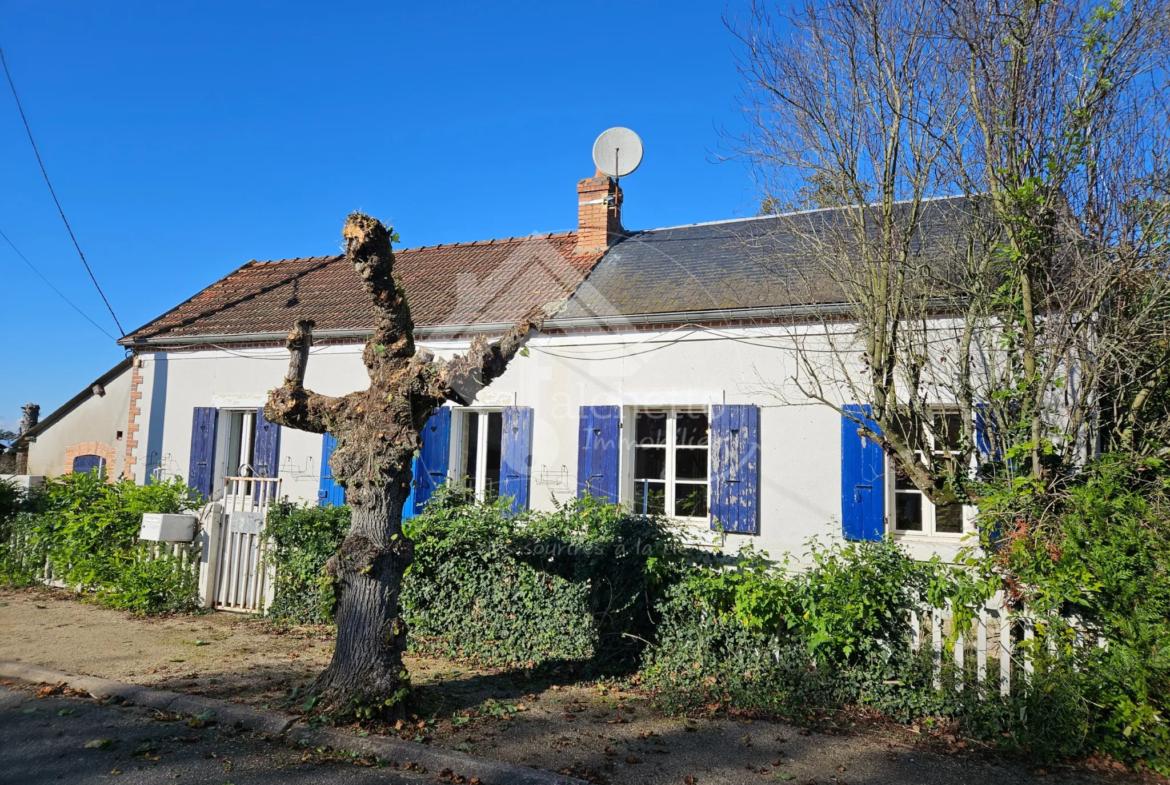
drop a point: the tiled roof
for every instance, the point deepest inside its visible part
(746, 263)
(463, 283)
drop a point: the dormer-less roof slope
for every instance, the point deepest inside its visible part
(656, 276)
(479, 283)
(752, 263)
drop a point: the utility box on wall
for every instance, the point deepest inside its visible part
(167, 527)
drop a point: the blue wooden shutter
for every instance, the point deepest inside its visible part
(330, 494)
(266, 452)
(408, 505)
(516, 449)
(431, 467)
(987, 443)
(88, 463)
(985, 437)
(202, 468)
(863, 494)
(597, 452)
(735, 468)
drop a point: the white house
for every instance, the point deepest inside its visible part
(661, 381)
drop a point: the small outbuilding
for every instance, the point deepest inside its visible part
(87, 432)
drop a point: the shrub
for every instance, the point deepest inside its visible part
(1095, 545)
(749, 634)
(84, 532)
(11, 499)
(579, 584)
(301, 540)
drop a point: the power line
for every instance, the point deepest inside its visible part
(54, 288)
(54, 194)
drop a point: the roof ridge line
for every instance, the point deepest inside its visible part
(460, 244)
(788, 214)
(490, 241)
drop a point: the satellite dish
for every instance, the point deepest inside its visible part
(617, 152)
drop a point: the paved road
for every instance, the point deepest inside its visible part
(44, 740)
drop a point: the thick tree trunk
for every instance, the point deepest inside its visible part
(378, 432)
(366, 675)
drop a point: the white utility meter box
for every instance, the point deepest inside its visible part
(167, 527)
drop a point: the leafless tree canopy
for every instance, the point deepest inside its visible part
(997, 177)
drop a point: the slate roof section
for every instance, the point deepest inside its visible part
(464, 283)
(770, 261)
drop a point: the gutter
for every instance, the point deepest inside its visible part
(615, 323)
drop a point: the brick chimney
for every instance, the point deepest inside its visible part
(599, 213)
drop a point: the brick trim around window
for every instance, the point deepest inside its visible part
(100, 449)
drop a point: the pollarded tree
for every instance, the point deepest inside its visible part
(378, 434)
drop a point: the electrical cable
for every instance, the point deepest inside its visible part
(54, 288)
(56, 201)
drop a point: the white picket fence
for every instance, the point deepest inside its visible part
(992, 639)
(35, 560)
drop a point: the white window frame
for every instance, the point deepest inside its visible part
(929, 519)
(459, 443)
(629, 452)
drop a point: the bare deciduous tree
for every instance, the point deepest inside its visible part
(378, 434)
(998, 242)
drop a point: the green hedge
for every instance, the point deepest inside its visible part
(85, 530)
(301, 540)
(578, 584)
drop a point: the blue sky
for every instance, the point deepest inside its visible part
(184, 139)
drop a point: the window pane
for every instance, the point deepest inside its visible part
(650, 428)
(948, 519)
(470, 448)
(650, 463)
(234, 439)
(690, 429)
(948, 430)
(690, 464)
(902, 481)
(656, 491)
(690, 501)
(495, 426)
(908, 512)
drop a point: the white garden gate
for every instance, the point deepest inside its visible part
(242, 576)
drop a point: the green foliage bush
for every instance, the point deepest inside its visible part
(11, 500)
(85, 530)
(301, 540)
(751, 634)
(577, 584)
(1095, 545)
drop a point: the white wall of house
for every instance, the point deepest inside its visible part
(800, 441)
(98, 418)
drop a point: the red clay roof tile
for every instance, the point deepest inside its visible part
(464, 283)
